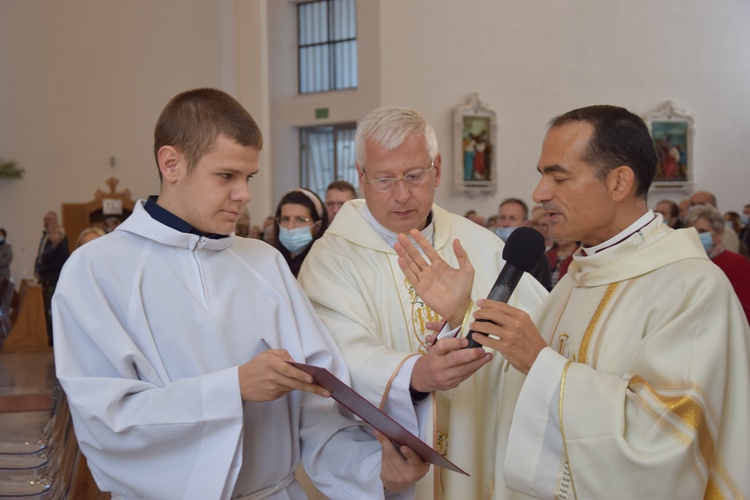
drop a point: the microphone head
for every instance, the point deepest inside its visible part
(524, 248)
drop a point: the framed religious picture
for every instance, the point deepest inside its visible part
(474, 146)
(672, 132)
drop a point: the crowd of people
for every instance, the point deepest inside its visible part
(514, 212)
(174, 332)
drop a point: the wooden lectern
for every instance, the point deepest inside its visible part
(78, 216)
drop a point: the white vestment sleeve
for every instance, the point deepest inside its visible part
(398, 403)
(532, 461)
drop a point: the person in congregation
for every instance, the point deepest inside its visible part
(730, 239)
(381, 324)
(559, 257)
(514, 213)
(6, 255)
(734, 221)
(670, 211)
(710, 225)
(538, 221)
(242, 228)
(744, 234)
(473, 216)
(48, 267)
(300, 220)
(338, 193)
(111, 223)
(89, 234)
(632, 380)
(173, 338)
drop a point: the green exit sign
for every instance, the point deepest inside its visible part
(321, 113)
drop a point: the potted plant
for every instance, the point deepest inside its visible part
(9, 169)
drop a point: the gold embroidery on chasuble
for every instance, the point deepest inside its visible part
(421, 314)
(575, 346)
(562, 346)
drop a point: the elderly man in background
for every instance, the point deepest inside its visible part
(338, 193)
(381, 324)
(514, 213)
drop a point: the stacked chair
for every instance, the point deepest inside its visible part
(50, 468)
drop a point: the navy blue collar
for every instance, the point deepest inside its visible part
(161, 214)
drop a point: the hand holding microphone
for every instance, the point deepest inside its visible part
(524, 248)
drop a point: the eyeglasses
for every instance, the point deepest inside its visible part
(285, 220)
(411, 179)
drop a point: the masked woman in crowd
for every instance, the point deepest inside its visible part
(300, 220)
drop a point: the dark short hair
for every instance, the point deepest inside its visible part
(2, 230)
(674, 208)
(192, 121)
(620, 138)
(342, 186)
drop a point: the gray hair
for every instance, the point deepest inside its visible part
(711, 214)
(389, 127)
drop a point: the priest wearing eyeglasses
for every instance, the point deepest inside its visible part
(382, 326)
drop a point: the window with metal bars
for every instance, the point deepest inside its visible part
(327, 41)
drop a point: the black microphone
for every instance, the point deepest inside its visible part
(524, 248)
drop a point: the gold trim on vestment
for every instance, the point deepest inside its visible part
(581, 359)
(691, 414)
(562, 428)
(594, 320)
(437, 470)
(390, 380)
(465, 322)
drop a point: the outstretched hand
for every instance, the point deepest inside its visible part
(401, 466)
(444, 289)
(268, 376)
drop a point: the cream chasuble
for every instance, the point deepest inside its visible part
(357, 288)
(644, 391)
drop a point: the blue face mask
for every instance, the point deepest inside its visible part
(706, 240)
(744, 220)
(503, 232)
(2, 240)
(295, 240)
